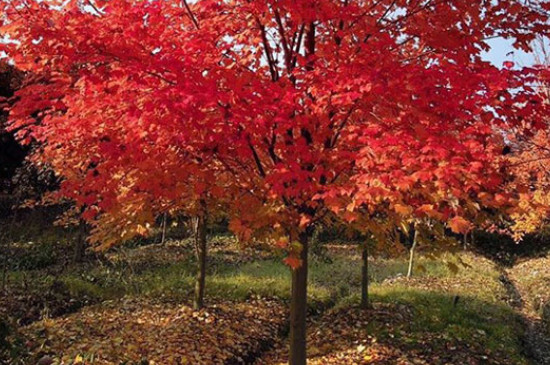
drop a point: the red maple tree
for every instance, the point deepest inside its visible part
(310, 106)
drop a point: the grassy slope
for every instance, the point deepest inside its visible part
(480, 325)
(532, 278)
(418, 320)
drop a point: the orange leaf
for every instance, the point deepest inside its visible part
(459, 224)
(403, 209)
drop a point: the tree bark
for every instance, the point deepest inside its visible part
(365, 303)
(80, 243)
(163, 236)
(411, 254)
(5, 276)
(199, 227)
(298, 307)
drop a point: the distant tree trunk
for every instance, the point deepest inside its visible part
(163, 236)
(4, 276)
(80, 243)
(199, 227)
(365, 303)
(298, 306)
(411, 253)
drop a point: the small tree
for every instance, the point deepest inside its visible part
(310, 106)
(199, 237)
(365, 280)
(414, 242)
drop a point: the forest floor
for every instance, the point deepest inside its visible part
(531, 280)
(132, 306)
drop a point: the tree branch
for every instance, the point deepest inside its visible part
(268, 52)
(256, 158)
(190, 14)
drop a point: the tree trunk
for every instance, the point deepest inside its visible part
(163, 236)
(5, 276)
(411, 254)
(298, 307)
(80, 243)
(199, 227)
(365, 303)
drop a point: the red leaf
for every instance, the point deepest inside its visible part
(293, 262)
(508, 64)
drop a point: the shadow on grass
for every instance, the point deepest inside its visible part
(435, 327)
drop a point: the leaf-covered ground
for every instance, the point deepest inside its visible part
(160, 333)
(44, 282)
(440, 316)
(531, 280)
(386, 335)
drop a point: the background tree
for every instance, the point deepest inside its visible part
(528, 157)
(12, 154)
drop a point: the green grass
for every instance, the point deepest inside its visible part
(269, 278)
(467, 264)
(532, 278)
(485, 323)
(479, 316)
(494, 325)
(329, 282)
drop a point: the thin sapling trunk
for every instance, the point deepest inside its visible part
(199, 228)
(411, 253)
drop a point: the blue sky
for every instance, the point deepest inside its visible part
(502, 50)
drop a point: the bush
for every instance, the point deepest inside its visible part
(30, 256)
(506, 251)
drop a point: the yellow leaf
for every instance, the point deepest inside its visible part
(141, 230)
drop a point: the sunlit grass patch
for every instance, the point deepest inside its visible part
(266, 278)
(533, 280)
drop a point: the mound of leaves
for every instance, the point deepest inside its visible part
(532, 278)
(384, 335)
(134, 332)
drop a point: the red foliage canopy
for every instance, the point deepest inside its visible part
(308, 106)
